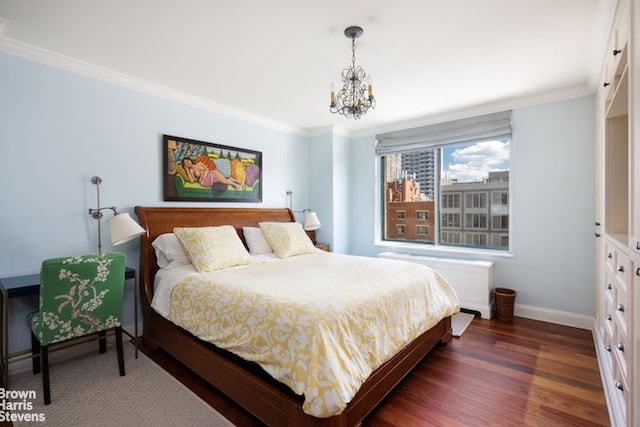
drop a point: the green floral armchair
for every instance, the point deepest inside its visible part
(79, 296)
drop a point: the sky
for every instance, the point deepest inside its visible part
(473, 162)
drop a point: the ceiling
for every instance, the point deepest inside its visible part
(274, 61)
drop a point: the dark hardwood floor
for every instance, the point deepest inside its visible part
(497, 374)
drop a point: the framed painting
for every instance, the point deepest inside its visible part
(200, 171)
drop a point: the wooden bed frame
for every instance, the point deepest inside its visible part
(244, 382)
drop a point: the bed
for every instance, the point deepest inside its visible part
(247, 383)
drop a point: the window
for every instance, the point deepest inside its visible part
(450, 220)
(473, 221)
(451, 200)
(448, 183)
(451, 238)
(500, 210)
(476, 200)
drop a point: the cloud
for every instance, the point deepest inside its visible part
(474, 162)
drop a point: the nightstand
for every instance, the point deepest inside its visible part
(323, 246)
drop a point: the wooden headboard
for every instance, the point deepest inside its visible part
(160, 220)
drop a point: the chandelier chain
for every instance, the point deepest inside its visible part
(353, 52)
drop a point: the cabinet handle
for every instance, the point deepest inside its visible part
(638, 245)
(608, 347)
(609, 287)
(638, 270)
(620, 346)
(616, 52)
(621, 307)
(597, 234)
(619, 385)
(597, 224)
(609, 255)
(608, 317)
(606, 84)
(621, 268)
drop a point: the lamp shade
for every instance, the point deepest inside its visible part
(311, 221)
(123, 228)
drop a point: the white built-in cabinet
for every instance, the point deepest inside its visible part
(616, 331)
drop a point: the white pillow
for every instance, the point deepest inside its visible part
(213, 248)
(169, 250)
(287, 238)
(255, 241)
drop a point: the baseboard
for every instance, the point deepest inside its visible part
(554, 316)
(484, 311)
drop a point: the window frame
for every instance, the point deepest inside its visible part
(442, 234)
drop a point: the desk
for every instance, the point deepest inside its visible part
(20, 286)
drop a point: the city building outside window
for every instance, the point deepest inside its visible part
(447, 191)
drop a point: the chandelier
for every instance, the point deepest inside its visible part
(356, 96)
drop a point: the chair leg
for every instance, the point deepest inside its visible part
(45, 374)
(120, 350)
(103, 342)
(35, 353)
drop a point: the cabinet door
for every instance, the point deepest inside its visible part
(633, 355)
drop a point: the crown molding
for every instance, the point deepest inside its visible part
(47, 57)
(476, 110)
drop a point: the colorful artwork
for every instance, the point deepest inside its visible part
(203, 172)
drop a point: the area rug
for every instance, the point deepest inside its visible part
(87, 390)
(460, 322)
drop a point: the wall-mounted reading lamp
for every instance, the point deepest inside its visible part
(122, 227)
(311, 221)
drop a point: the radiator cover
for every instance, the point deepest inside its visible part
(471, 279)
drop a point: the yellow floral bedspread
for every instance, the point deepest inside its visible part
(320, 323)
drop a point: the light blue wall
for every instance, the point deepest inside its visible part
(320, 186)
(58, 129)
(330, 165)
(553, 206)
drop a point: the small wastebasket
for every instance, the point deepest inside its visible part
(505, 300)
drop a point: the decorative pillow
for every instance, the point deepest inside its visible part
(224, 166)
(287, 238)
(206, 161)
(213, 248)
(255, 241)
(252, 174)
(237, 170)
(169, 250)
(179, 170)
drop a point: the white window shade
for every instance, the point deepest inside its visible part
(495, 126)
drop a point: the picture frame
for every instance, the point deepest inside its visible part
(198, 171)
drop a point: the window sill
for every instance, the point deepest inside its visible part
(442, 251)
